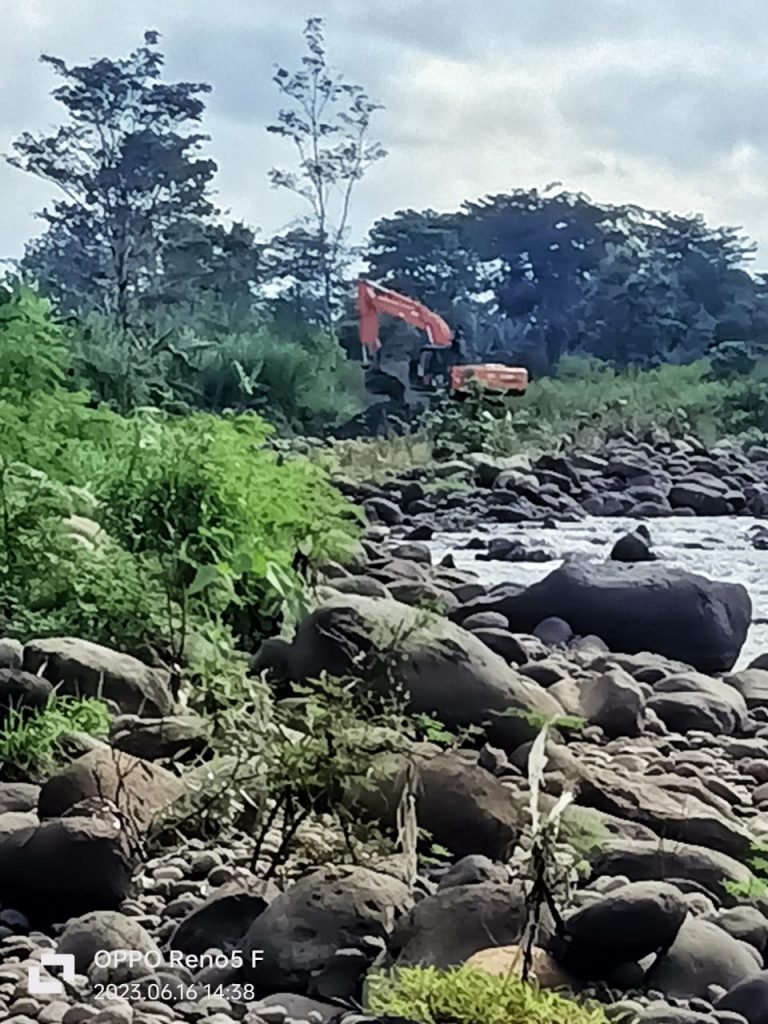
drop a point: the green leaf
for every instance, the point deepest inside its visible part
(204, 577)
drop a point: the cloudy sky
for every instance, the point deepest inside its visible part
(658, 102)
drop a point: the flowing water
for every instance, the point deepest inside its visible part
(719, 548)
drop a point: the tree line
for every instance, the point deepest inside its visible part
(167, 303)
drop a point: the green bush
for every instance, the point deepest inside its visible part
(31, 744)
(225, 519)
(467, 996)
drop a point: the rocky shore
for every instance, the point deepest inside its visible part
(662, 744)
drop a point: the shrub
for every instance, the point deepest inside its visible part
(31, 744)
(467, 996)
(228, 522)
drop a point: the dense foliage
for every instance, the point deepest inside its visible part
(536, 275)
(193, 519)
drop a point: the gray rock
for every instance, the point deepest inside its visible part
(107, 930)
(745, 923)
(615, 702)
(80, 668)
(444, 930)
(445, 670)
(688, 820)
(637, 920)
(139, 789)
(154, 739)
(472, 870)
(64, 868)
(22, 691)
(327, 910)
(702, 955)
(486, 620)
(224, 918)
(632, 548)
(11, 653)
(18, 796)
(639, 607)
(752, 684)
(749, 998)
(642, 860)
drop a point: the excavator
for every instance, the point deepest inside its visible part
(440, 366)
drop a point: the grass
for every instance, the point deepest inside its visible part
(31, 744)
(466, 995)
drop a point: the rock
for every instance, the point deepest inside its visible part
(503, 643)
(11, 653)
(702, 955)
(381, 510)
(632, 547)
(154, 739)
(139, 789)
(18, 796)
(64, 868)
(486, 620)
(705, 501)
(749, 998)
(224, 918)
(412, 553)
(366, 586)
(21, 690)
(84, 669)
(640, 860)
(472, 870)
(746, 924)
(694, 712)
(444, 669)
(615, 702)
(508, 961)
(719, 702)
(108, 930)
(637, 920)
(638, 607)
(752, 684)
(688, 820)
(285, 1006)
(463, 807)
(330, 909)
(553, 632)
(446, 929)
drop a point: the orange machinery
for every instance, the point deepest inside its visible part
(373, 300)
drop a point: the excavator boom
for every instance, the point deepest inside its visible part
(372, 300)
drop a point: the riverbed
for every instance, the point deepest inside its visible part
(719, 548)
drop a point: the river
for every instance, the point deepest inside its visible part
(719, 548)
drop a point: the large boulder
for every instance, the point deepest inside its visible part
(652, 860)
(460, 804)
(84, 669)
(702, 955)
(672, 815)
(444, 669)
(636, 607)
(332, 908)
(447, 928)
(223, 919)
(109, 930)
(627, 925)
(139, 789)
(615, 702)
(65, 867)
(22, 691)
(749, 998)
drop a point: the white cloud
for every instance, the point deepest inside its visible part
(660, 103)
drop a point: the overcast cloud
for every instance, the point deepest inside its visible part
(656, 102)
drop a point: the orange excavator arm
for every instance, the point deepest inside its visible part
(372, 300)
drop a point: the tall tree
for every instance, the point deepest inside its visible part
(128, 161)
(328, 121)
